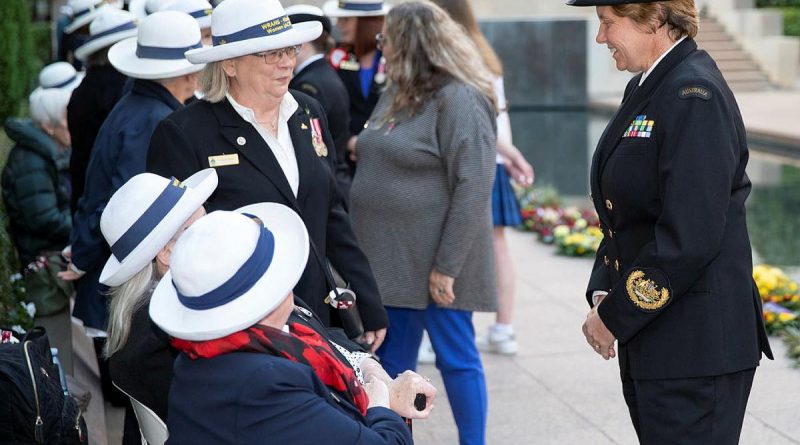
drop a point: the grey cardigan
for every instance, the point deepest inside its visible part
(420, 198)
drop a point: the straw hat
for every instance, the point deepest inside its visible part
(199, 9)
(109, 27)
(355, 8)
(241, 27)
(228, 272)
(83, 12)
(59, 75)
(144, 214)
(157, 52)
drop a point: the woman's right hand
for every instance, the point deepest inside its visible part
(377, 392)
(403, 391)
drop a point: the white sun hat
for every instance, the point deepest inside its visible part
(144, 214)
(83, 12)
(241, 27)
(199, 9)
(228, 272)
(59, 75)
(143, 8)
(308, 13)
(355, 8)
(109, 27)
(157, 52)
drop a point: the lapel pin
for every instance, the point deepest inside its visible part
(303, 126)
(241, 140)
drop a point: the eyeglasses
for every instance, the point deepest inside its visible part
(380, 39)
(274, 56)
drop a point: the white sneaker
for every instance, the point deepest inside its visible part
(426, 355)
(505, 344)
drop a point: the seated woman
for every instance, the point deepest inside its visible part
(141, 223)
(226, 300)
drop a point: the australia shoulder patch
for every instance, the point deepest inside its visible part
(694, 91)
(310, 89)
(648, 289)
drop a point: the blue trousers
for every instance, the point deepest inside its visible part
(453, 338)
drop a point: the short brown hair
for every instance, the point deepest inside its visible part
(366, 29)
(679, 15)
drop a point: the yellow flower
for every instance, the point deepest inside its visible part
(783, 317)
(580, 250)
(793, 286)
(580, 223)
(769, 316)
(594, 231)
(560, 231)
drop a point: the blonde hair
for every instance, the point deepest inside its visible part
(214, 82)
(461, 12)
(428, 48)
(126, 299)
(679, 15)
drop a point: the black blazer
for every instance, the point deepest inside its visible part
(320, 81)
(668, 181)
(185, 141)
(88, 108)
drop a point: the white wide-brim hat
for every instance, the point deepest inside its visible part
(201, 10)
(157, 52)
(241, 27)
(355, 8)
(144, 214)
(87, 12)
(110, 26)
(60, 75)
(143, 8)
(211, 270)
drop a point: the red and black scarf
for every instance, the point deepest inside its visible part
(302, 345)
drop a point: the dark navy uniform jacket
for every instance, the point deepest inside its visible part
(320, 81)
(206, 134)
(668, 182)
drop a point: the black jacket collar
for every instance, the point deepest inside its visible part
(155, 90)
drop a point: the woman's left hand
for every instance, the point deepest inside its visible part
(441, 288)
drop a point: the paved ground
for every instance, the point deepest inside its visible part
(557, 391)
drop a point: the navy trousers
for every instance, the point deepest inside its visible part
(453, 338)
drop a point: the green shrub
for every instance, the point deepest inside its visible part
(42, 44)
(791, 21)
(16, 60)
(777, 3)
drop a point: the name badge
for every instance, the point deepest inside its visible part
(223, 160)
(349, 65)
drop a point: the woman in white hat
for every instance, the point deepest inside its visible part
(73, 29)
(59, 75)
(269, 144)
(99, 91)
(141, 223)
(199, 9)
(164, 79)
(226, 301)
(359, 61)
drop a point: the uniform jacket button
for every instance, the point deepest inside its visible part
(609, 205)
(616, 264)
(605, 260)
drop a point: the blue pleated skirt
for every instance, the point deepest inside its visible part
(505, 208)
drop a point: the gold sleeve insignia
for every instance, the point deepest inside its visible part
(645, 293)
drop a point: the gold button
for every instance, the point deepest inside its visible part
(616, 265)
(609, 206)
(605, 260)
(610, 233)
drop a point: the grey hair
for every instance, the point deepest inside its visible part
(214, 82)
(126, 299)
(49, 106)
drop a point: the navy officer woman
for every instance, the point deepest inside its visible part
(672, 281)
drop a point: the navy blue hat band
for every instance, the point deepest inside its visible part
(139, 230)
(268, 28)
(157, 52)
(83, 12)
(242, 281)
(361, 6)
(123, 27)
(64, 83)
(201, 13)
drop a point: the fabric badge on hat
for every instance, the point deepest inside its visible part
(641, 127)
(268, 28)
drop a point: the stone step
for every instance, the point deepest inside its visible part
(736, 65)
(744, 76)
(750, 86)
(726, 55)
(722, 45)
(711, 36)
(710, 25)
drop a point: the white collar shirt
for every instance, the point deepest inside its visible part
(660, 58)
(282, 146)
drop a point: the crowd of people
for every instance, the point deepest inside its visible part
(261, 222)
